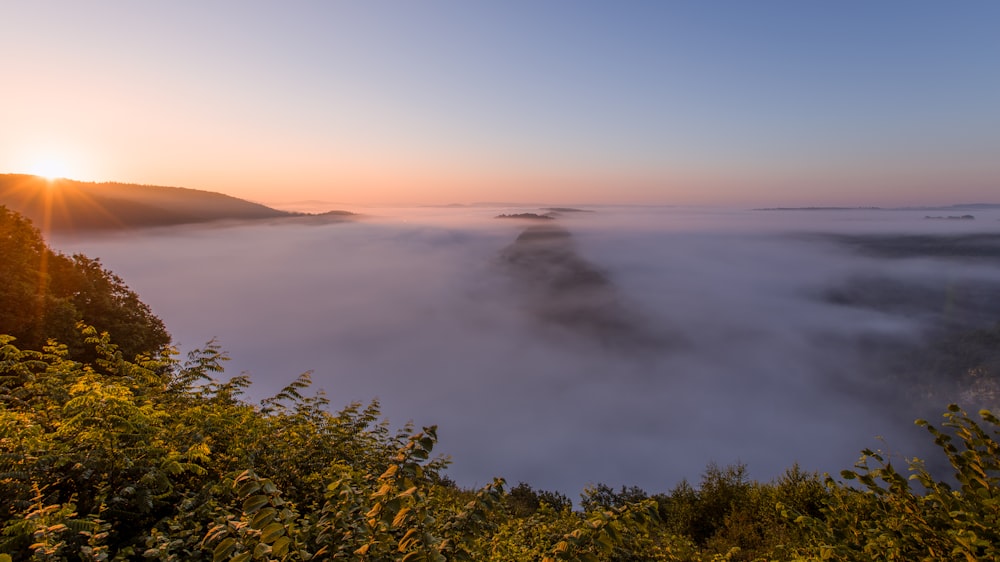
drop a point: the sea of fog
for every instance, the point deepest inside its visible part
(417, 308)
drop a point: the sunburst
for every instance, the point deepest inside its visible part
(49, 168)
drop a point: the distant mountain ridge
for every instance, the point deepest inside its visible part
(64, 205)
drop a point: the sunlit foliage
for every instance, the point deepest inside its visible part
(155, 459)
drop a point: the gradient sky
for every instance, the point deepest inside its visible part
(765, 102)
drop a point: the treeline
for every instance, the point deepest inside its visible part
(106, 454)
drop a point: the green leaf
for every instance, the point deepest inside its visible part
(253, 503)
(222, 551)
(248, 488)
(280, 546)
(262, 518)
(272, 532)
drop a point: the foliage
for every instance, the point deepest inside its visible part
(522, 500)
(603, 496)
(917, 517)
(45, 294)
(154, 459)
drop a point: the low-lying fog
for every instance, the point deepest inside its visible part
(646, 343)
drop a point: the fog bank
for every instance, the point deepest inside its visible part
(702, 334)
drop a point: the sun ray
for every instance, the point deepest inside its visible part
(66, 203)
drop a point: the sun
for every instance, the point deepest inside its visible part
(49, 168)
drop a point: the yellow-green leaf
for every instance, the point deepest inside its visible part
(272, 532)
(263, 517)
(280, 546)
(253, 503)
(222, 551)
(248, 488)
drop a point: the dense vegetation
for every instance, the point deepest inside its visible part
(44, 294)
(154, 459)
(106, 454)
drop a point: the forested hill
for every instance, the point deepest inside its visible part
(64, 205)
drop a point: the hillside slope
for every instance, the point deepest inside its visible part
(64, 205)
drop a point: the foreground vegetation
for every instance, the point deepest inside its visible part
(127, 452)
(153, 459)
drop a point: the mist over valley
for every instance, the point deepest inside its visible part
(630, 346)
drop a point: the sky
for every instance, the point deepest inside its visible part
(570, 102)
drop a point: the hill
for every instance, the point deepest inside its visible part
(563, 289)
(64, 205)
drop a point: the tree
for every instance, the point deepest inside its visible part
(24, 261)
(45, 294)
(602, 496)
(523, 500)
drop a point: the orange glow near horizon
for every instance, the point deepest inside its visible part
(50, 169)
(360, 184)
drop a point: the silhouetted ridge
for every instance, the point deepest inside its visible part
(64, 205)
